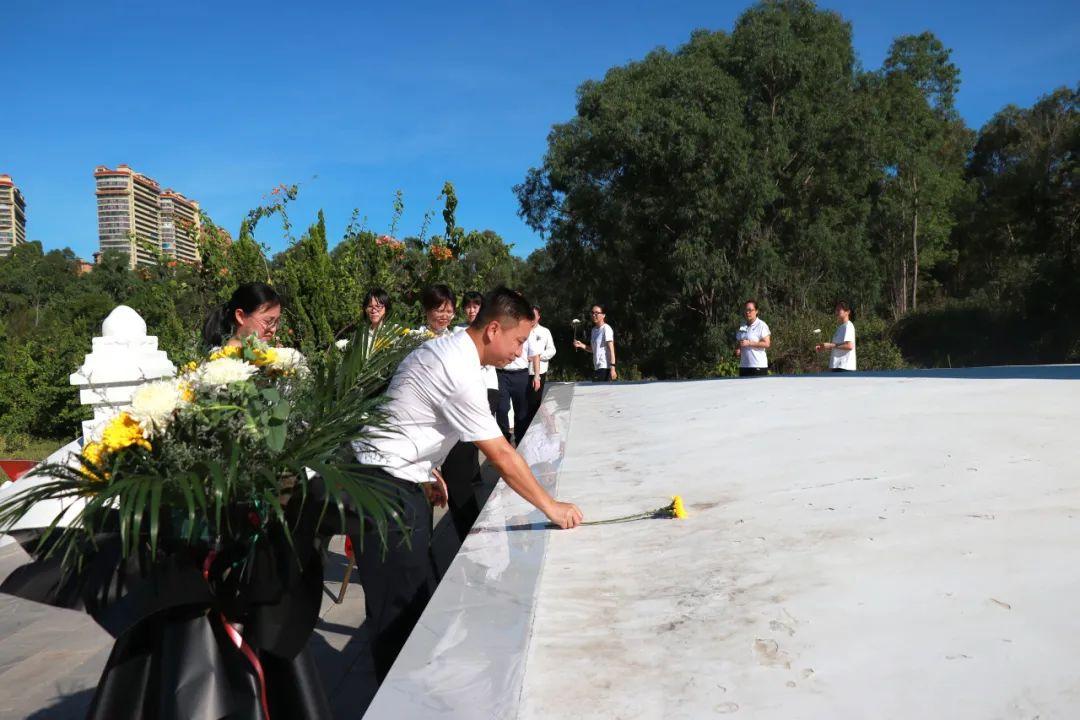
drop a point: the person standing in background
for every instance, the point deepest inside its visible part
(752, 340)
(376, 307)
(543, 347)
(842, 348)
(461, 469)
(514, 389)
(602, 346)
(438, 302)
(471, 304)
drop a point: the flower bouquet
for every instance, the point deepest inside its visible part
(199, 523)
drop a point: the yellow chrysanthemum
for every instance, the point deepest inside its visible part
(677, 507)
(186, 393)
(94, 453)
(227, 352)
(122, 432)
(189, 367)
(264, 356)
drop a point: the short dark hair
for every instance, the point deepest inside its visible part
(434, 297)
(842, 305)
(603, 308)
(503, 304)
(471, 297)
(753, 302)
(378, 295)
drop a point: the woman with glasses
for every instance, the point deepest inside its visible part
(376, 307)
(602, 346)
(438, 302)
(752, 340)
(253, 309)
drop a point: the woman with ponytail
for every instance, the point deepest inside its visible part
(253, 309)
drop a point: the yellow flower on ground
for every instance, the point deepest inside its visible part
(677, 507)
(122, 432)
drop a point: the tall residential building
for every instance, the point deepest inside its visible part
(129, 216)
(180, 226)
(12, 216)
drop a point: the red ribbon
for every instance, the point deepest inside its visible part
(238, 640)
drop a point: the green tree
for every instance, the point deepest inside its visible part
(922, 148)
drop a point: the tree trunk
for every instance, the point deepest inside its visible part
(915, 245)
(902, 296)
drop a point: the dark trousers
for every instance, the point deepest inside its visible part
(753, 372)
(461, 471)
(513, 390)
(840, 370)
(601, 375)
(535, 397)
(397, 582)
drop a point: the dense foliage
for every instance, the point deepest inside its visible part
(764, 162)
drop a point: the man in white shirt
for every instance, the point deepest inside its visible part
(753, 339)
(461, 468)
(543, 350)
(842, 348)
(602, 343)
(514, 391)
(436, 399)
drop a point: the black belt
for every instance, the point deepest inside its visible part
(511, 372)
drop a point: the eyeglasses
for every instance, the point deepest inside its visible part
(594, 312)
(269, 326)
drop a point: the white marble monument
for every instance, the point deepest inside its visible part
(121, 360)
(895, 545)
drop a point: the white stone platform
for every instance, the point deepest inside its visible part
(872, 546)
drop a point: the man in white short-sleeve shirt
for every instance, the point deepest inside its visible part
(753, 339)
(436, 398)
(602, 346)
(842, 348)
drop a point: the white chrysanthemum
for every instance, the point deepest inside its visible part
(154, 404)
(223, 371)
(289, 360)
(342, 344)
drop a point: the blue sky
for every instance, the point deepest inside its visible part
(224, 100)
